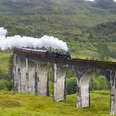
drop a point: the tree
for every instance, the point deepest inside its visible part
(103, 52)
(71, 85)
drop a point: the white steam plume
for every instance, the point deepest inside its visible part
(3, 32)
(30, 42)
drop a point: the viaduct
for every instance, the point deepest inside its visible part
(31, 75)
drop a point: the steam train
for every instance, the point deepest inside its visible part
(45, 53)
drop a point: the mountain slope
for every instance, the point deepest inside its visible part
(74, 21)
(81, 13)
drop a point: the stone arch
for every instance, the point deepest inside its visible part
(84, 75)
(83, 88)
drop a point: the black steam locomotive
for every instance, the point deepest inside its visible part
(45, 53)
(58, 55)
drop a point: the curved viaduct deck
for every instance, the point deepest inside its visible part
(30, 73)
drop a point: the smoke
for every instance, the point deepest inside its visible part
(30, 42)
(3, 32)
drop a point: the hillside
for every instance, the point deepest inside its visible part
(81, 24)
(63, 18)
(89, 29)
(15, 104)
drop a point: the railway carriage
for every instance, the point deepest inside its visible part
(45, 53)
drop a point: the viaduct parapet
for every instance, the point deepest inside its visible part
(31, 75)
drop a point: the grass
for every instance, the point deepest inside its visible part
(4, 60)
(20, 104)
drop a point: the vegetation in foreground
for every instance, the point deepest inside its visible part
(19, 104)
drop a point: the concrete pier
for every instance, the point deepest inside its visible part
(83, 92)
(112, 92)
(17, 72)
(30, 77)
(59, 75)
(42, 79)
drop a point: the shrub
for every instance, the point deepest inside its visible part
(6, 85)
(99, 83)
(71, 85)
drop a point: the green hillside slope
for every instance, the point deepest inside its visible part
(51, 17)
(82, 25)
(69, 20)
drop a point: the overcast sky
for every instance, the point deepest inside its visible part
(89, 0)
(94, 0)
